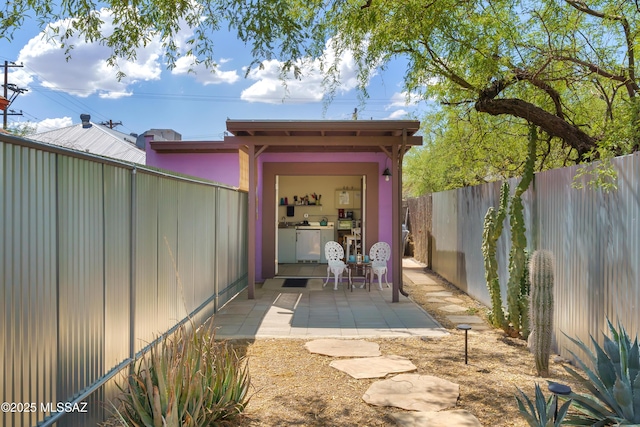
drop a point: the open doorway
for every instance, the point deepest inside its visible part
(310, 211)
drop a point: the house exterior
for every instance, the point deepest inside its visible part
(96, 139)
(257, 153)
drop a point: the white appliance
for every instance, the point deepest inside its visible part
(308, 245)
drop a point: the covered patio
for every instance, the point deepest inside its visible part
(266, 142)
(320, 312)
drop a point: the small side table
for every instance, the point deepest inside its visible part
(362, 269)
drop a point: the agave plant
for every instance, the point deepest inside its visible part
(613, 380)
(187, 379)
(545, 412)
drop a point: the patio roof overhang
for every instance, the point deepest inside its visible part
(393, 137)
(324, 135)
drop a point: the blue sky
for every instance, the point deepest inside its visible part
(194, 105)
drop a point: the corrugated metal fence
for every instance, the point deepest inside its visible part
(594, 236)
(97, 258)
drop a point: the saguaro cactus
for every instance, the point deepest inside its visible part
(541, 308)
(493, 225)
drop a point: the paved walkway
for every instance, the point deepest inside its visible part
(321, 312)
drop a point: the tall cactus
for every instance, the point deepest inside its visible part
(493, 225)
(516, 300)
(541, 308)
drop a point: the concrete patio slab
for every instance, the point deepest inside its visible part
(374, 367)
(413, 392)
(455, 418)
(343, 348)
(319, 312)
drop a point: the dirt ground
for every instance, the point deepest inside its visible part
(291, 386)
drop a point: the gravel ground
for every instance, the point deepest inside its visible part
(290, 386)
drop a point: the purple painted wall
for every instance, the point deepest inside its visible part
(218, 167)
(224, 168)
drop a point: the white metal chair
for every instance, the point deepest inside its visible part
(334, 253)
(379, 255)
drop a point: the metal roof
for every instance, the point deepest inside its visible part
(95, 139)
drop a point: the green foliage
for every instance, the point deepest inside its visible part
(542, 413)
(598, 175)
(493, 225)
(612, 379)
(464, 148)
(541, 308)
(487, 70)
(517, 301)
(187, 379)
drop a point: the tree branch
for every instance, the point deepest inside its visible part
(550, 123)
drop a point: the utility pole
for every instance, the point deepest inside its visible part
(15, 89)
(111, 124)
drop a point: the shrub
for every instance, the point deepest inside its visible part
(544, 413)
(187, 379)
(613, 380)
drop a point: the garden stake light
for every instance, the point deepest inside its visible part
(464, 327)
(557, 389)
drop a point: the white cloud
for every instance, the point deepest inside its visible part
(52, 124)
(269, 86)
(185, 65)
(87, 72)
(400, 99)
(398, 115)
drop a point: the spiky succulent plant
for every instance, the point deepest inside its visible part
(544, 412)
(613, 380)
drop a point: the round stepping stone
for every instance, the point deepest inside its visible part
(374, 367)
(413, 392)
(343, 348)
(456, 418)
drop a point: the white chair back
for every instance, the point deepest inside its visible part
(379, 255)
(380, 252)
(333, 251)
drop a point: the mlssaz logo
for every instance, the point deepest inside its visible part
(52, 407)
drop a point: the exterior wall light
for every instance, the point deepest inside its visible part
(386, 174)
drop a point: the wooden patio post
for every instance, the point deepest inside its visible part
(252, 217)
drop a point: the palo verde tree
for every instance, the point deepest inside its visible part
(565, 66)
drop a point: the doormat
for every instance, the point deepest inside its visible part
(294, 283)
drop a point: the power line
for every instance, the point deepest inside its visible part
(15, 92)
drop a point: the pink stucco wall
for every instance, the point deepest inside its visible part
(218, 167)
(224, 168)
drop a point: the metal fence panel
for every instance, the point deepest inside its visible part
(28, 272)
(117, 264)
(170, 295)
(81, 275)
(147, 248)
(231, 241)
(594, 236)
(87, 276)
